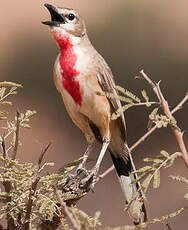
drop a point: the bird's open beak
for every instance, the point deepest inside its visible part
(56, 18)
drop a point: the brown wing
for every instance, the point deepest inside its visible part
(106, 81)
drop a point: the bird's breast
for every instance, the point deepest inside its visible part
(69, 71)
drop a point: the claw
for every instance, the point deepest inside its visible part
(81, 181)
(87, 183)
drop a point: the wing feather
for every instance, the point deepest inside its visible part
(107, 83)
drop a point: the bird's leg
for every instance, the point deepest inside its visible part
(88, 182)
(81, 168)
(73, 180)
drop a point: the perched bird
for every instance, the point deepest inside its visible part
(81, 76)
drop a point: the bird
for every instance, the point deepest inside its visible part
(81, 76)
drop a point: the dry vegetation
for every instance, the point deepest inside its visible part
(33, 199)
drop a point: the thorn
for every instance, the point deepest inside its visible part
(159, 82)
(182, 133)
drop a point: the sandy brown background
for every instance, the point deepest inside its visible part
(131, 35)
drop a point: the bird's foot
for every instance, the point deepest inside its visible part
(88, 182)
(73, 183)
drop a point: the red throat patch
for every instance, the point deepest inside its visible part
(67, 62)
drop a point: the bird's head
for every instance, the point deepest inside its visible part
(65, 22)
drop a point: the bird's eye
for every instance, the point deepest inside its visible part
(71, 17)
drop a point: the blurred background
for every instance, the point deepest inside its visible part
(131, 35)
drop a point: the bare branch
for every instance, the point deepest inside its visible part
(101, 176)
(167, 226)
(146, 135)
(164, 105)
(30, 203)
(3, 147)
(180, 105)
(15, 149)
(65, 210)
(43, 153)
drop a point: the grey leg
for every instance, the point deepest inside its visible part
(85, 157)
(89, 180)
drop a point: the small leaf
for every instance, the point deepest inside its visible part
(14, 92)
(165, 153)
(146, 182)
(149, 125)
(9, 84)
(143, 169)
(120, 111)
(30, 113)
(144, 95)
(154, 112)
(137, 207)
(148, 159)
(128, 93)
(158, 161)
(179, 178)
(5, 103)
(25, 125)
(156, 179)
(2, 91)
(169, 163)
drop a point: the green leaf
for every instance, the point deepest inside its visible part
(156, 179)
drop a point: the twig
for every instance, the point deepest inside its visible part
(178, 107)
(30, 203)
(43, 153)
(75, 224)
(167, 226)
(15, 149)
(101, 176)
(4, 147)
(33, 190)
(164, 105)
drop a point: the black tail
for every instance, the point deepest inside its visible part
(131, 192)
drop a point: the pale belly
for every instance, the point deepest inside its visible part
(94, 107)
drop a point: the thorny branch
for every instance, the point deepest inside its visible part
(43, 153)
(168, 227)
(164, 105)
(15, 149)
(146, 135)
(30, 203)
(65, 210)
(33, 189)
(3, 147)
